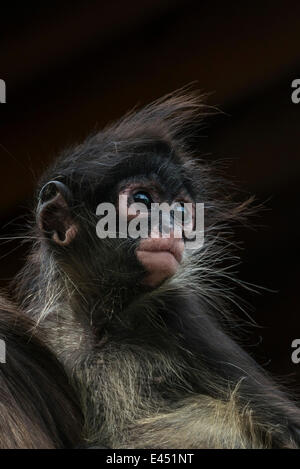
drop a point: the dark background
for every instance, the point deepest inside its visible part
(72, 66)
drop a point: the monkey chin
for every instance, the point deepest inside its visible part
(160, 258)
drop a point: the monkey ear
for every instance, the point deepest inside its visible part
(53, 213)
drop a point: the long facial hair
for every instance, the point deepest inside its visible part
(133, 350)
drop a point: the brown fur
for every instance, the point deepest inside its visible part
(37, 405)
(152, 368)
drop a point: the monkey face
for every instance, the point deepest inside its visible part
(161, 247)
(139, 188)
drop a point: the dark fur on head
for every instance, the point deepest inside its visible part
(153, 367)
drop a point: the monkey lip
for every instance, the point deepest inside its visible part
(167, 246)
(160, 258)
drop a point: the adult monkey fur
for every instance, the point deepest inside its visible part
(142, 332)
(37, 404)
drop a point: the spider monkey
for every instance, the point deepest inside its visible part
(141, 325)
(38, 408)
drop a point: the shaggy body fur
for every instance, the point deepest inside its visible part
(154, 368)
(37, 404)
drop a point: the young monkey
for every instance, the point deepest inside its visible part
(140, 324)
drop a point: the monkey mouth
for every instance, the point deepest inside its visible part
(160, 258)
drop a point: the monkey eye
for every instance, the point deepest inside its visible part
(181, 212)
(143, 197)
(180, 209)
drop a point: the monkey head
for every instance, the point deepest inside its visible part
(145, 160)
(155, 180)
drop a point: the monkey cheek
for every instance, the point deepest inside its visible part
(159, 266)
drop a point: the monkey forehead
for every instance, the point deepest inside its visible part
(164, 171)
(141, 156)
(94, 168)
